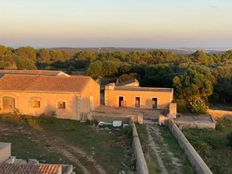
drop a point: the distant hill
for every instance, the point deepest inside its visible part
(126, 50)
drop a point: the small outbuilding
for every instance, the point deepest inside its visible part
(132, 95)
(65, 97)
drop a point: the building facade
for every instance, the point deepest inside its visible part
(138, 97)
(64, 97)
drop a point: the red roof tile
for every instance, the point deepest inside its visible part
(31, 72)
(6, 168)
(43, 83)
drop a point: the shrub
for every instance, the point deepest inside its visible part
(182, 106)
(229, 137)
(198, 106)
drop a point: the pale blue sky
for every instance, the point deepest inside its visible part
(119, 23)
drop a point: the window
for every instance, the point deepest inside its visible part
(61, 105)
(36, 104)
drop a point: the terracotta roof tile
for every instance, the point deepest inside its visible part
(43, 83)
(31, 72)
(145, 89)
(6, 168)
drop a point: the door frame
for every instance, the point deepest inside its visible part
(120, 101)
(154, 100)
(139, 102)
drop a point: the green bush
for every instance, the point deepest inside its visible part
(229, 137)
(182, 106)
(198, 106)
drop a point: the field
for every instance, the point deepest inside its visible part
(167, 155)
(88, 148)
(213, 146)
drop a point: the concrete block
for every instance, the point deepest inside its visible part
(5, 151)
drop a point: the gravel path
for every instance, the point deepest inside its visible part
(166, 159)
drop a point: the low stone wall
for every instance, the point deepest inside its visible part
(141, 165)
(101, 116)
(196, 161)
(5, 151)
(219, 113)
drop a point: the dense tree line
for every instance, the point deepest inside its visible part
(198, 78)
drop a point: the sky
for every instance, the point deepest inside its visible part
(116, 23)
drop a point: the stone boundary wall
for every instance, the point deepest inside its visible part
(219, 113)
(141, 165)
(100, 116)
(5, 151)
(196, 161)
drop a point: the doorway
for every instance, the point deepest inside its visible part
(137, 102)
(154, 103)
(121, 102)
(8, 104)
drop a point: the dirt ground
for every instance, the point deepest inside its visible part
(44, 143)
(162, 152)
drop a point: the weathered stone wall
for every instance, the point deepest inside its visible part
(75, 103)
(219, 113)
(90, 96)
(196, 161)
(163, 98)
(141, 165)
(48, 103)
(172, 110)
(5, 151)
(99, 116)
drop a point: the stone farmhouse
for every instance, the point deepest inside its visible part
(132, 95)
(44, 92)
(68, 97)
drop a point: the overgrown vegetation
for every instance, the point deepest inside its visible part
(198, 78)
(152, 162)
(214, 146)
(52, 141)
(166, 146)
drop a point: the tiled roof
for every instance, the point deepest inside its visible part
(32, 72)
(145, 89)
(43, 83)
(128, 82)
(6, 168)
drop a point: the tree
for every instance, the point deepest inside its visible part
(126, 77)
(196, 82)
(87, 55)
(95, 69)
(24, 63)
(194, 87)
(4, 51)
(27, 53)
(7, 62)
(44, 56)
(159, 75)
(202, 58)
(110, 67)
